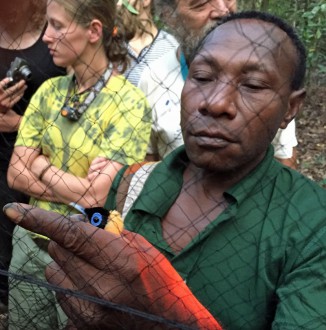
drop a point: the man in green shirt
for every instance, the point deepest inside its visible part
(227, 236)
(163, 80)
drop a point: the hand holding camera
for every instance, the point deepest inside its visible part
(18, 70)
(12, 87)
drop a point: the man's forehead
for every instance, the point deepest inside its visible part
(231, 4)
(250, 45)
(254, 32)
(195, 2)
(186, 4)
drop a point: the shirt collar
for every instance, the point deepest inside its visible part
(162, 189)
(262, 175)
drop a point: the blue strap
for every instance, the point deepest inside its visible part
(184, 66)
(77, 207)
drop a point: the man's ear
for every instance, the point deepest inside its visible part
(95, 31)
(294, 106)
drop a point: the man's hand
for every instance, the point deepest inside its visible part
(10, 96)
(124, 270)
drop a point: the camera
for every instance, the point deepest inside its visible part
(18, 70)
(70, 113)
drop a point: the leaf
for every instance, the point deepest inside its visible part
(132, 9)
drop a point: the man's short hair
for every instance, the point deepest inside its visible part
(300, 65)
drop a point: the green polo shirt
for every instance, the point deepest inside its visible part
(260, 264)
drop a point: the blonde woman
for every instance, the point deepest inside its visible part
(72, 122)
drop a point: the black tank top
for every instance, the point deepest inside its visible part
(41, 64)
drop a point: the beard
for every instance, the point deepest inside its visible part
(190, 39)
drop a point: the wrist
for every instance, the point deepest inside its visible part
(19, 119)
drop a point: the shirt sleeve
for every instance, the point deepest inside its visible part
(111, 202)
(162, 85)
(31, 128)
(302, 295)
(284, 141)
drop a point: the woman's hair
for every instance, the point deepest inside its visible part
(114, 42)
(38, 8)
(133, 24)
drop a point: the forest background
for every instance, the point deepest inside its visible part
(309, 19)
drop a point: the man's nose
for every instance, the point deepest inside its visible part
(218, 9)
(220, 100)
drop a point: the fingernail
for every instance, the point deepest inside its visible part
(14, 211)
(79, 217)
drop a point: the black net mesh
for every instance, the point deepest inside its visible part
(252, 257)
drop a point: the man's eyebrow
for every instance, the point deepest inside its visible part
(207, 59)
(246, 66)
(249, 67)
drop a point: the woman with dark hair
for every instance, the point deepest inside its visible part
(22, 25)
(72, 121)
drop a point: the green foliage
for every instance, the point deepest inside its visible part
(308, 17)
(314, 28)
(130, 7)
